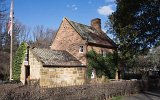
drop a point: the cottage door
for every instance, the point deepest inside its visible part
(27, 74)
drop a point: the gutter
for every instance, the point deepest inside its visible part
(101, 45)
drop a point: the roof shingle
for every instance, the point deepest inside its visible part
(92, 35)
(55, 57)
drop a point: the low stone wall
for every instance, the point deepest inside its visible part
(62, 76)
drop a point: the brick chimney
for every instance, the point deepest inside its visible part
(96, 23)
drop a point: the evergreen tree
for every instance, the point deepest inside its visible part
(136, 26)
(18, 60)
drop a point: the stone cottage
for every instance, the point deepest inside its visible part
(78, 39)
(65, 62)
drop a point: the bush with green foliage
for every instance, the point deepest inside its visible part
(18, 60)
(103, 65)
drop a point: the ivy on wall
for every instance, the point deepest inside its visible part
(106, 66)
(18, 60)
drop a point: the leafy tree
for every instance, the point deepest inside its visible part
(136, 26)
(103, 65)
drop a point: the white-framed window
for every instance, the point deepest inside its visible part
(81, 49)
(92, 74)
(103, 53)
(26, 57)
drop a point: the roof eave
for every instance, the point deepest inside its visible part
(36, 57)
(101, 45)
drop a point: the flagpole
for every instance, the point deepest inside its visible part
(11, 36)
(11, 59)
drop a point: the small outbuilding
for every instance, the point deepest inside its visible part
(48, 67)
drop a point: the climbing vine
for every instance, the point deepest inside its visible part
(103, 65)
(18, 60)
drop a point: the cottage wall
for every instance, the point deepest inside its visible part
(22, 75)
(35, 66)
(68, 39)
(57, 76)
(99, 49)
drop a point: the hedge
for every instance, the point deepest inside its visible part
(18, 60)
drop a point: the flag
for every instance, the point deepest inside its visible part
(11, 17)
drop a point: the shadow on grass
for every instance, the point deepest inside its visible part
(117, 98)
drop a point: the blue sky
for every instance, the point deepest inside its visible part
(50, 13)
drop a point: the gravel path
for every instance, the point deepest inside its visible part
(147, 95)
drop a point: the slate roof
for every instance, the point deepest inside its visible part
(55, 57)
(91, 35)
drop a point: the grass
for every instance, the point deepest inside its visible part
(117, 98)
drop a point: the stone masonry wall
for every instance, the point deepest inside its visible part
(22, 75)
(59, 76)
(35, 67)
(69, 40)
(99, 49)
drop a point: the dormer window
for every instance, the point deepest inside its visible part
(81, 49)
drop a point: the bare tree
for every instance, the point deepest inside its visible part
(3, 17)
(4, 55)
(42, 37)
(22, 32)
(155, 57)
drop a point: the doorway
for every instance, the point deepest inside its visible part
(27, 74)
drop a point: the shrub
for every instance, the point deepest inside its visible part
(78, 92)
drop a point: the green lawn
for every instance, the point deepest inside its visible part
(117, 98)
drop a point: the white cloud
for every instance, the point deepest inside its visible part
(73, 7)
(105, 10)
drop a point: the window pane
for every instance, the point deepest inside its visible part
(81, 49)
